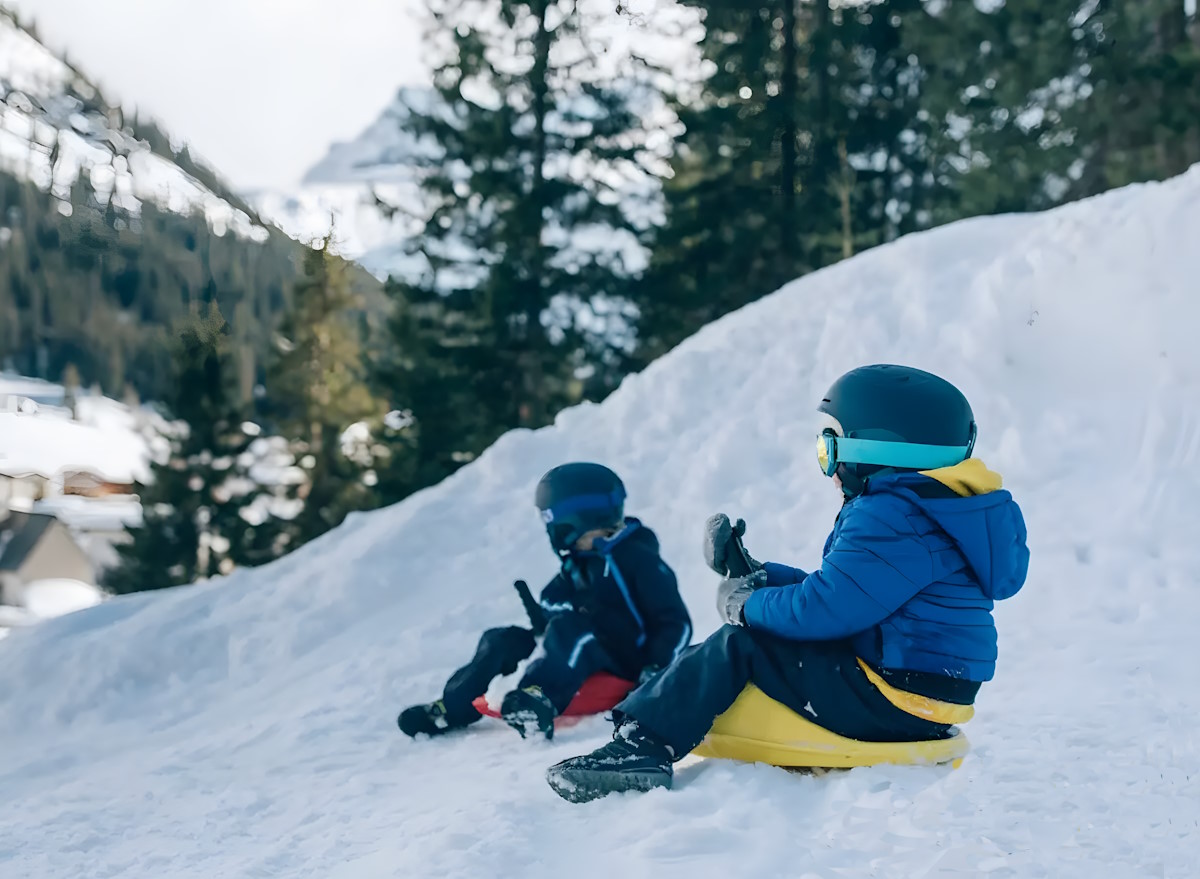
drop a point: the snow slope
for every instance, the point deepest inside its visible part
(55, 125)
(245, 727)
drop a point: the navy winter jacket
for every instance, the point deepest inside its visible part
(629, 596)
(910, 574)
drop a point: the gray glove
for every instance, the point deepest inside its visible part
(732, 595)
(718, 541)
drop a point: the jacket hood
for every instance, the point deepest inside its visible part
(983, 521)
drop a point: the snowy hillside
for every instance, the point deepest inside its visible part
(55, 124)
(246, 727)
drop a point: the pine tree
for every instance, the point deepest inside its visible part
(1139, 116)
(101, 286)
(537, 194)
(997, 139)
(317, 393)
(193, 525)
(753, 200)
(70, 384)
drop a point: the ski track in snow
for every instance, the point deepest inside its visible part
(245, 728)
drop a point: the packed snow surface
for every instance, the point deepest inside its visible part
(245, 727)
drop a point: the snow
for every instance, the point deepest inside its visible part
(87, 514)
(368, 192)
(361, 231)
(46, 599)
(11, 617)
(30, 444)
(108, 439)
(51, 130)
(245, 726)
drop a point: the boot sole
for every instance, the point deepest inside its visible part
(585, 785)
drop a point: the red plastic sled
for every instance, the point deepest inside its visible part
(599, 693)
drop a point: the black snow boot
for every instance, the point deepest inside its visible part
(433, 719)
(633, 760)
(528, 711)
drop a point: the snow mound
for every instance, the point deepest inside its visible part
(54, 598)
(246, 727)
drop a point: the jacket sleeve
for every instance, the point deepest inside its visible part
(874, 564)
(664, 615)
(782, 575)
(556, 596)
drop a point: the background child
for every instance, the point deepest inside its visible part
(614, 606)
(891, 638)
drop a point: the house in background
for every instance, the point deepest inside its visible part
(19, 490)
(85, 483)
(37, 547)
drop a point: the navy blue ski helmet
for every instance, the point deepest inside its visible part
(886, 417)
(577, 498)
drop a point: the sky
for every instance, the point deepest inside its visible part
(259, 88)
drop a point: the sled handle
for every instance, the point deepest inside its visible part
(537, 616)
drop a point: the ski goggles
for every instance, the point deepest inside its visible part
(833, 450)
(570, 519)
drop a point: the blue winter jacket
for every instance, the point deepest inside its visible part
(628, 596)
(909, 574)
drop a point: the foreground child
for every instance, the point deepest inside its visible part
(891, 638)
(613, 607)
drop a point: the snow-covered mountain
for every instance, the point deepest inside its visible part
(367, 189)
(245, 727)
(55, 124)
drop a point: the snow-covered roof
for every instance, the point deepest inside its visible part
(51, 447)
(40, 439)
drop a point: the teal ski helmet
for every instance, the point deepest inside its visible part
(577, 498)
(887, 417)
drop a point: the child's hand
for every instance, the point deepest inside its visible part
(732, 595)
(719, 535)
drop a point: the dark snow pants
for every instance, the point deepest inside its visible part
(820, 680)
(571, 654)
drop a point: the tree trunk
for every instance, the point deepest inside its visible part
(531, 380)
(1171, 34)
(824, 165)
(787, 173)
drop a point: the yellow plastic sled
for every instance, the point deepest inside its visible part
(757, 729)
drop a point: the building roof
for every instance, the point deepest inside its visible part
(19, 534)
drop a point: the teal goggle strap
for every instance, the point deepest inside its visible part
(845, 450)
